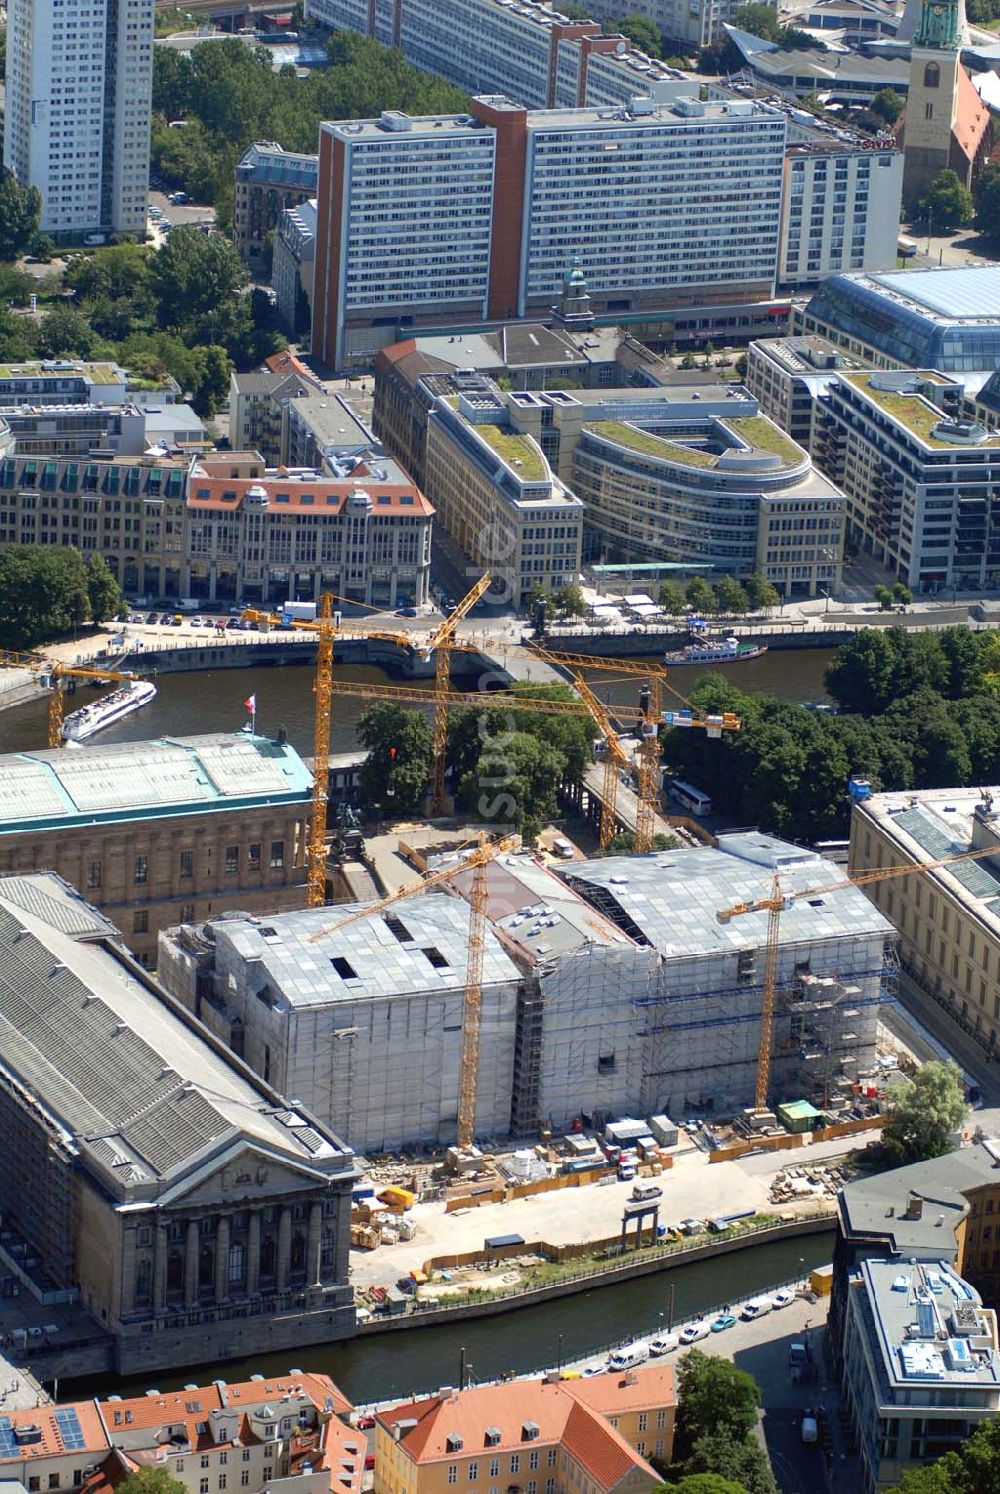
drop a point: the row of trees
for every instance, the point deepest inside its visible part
(715, 1451)
(727, 595)
(45, 591)
(920, 711)
(507, 764)
(229, 95)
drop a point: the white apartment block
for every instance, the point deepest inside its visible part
(529, 51)
(442, 221)
(79, 86)
(840, 211)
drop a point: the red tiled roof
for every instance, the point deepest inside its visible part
(320, 496)
(318, 1387)
(187, 1406)
(639, 1390)
(560, 1416)
(50, 1443)
(972, 117)
(286, 362)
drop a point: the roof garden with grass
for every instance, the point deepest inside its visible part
(919, 415)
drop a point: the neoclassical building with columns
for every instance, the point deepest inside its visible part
(149, 1174)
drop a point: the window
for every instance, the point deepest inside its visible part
(494, 1467)
(245, 1477)
(253, 856)
(643, 1418)
(203, 1486)
(533, 1460)
(473, 1471)
(232, 860)
(222, 1480)
(53, 1480)
(187, 863)
(34, 1483)
(515, 1462)
(93, 874)
(246, 1455)
(453, 1473)
(928, 111)
(140, 921)
(223, 1459)
(552, 1457)
(205, 1460)
(640, 1448)
(661, 1419)
(932, 75)
(277, 855)
(140, 866)
(187, 912)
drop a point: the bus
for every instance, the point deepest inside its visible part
(693, 800)
(906, 247)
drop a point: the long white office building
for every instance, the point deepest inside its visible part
(530, 51)
(78, 101)
(442, 221)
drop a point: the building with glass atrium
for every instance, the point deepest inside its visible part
(946, 319)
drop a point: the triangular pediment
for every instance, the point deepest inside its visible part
(243, 1174)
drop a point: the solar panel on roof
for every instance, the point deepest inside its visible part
(8, 1443)
(69, 1426)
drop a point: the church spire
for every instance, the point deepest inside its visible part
(940, 25)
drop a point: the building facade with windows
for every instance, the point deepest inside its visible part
(268, 180)
(532, 52)
(158, 832)
(544, 1438)
(920, 478)
(787, 376)
(130, 510)
(497, 495)
(77, 114)
(190, 1209)
(840, 210)
(260, 535)
(438, 222)
(207, 1438)
(949, 931)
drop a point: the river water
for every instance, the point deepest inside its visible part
(392, 1364)
(187, 704)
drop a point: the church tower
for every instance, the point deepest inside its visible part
(932, 103)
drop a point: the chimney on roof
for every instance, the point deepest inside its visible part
(914, 1206)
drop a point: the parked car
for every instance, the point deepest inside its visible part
(153, 617)
(365, 1423)
(695, 1331)
(593, 1369)
(234, 625)
(783, 1298)
(663, 1343)
(723, 1321)
(166, 619)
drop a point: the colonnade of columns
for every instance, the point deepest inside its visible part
(247, 1281)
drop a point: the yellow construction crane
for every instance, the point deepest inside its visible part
(323, 692)
(56, 673)
(440, 644)
(472, 1007)
(778, 902)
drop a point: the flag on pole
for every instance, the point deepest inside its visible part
(251, 704)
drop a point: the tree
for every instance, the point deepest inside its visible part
(640, 30)
(924, 1114)
(150, 1481)
(902, 593)
(623, 844)
(861, 674)
(972, 1468)
(671, 598)
(700, 596)
(198, 280)
(760, 593)
(42, 247)
(988, 201)
(715, 1399)
(745, 1462)
(20, 210)
(947, 202)
(887, 105)
(514, 784)
(570, 600)
(211, 385)
(883, 595)
(729, 595)
(759, 20)
(43, 593)
(701, 1483)
(394, 774)
(103, 591)
(64, 332)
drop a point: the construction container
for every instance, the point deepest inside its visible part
(821, 1280)
(397, 1198)
(798, 1115)
(624, 1131)
(663, 1128)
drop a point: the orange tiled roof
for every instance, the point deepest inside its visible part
(323, 495)
(561, 1418)
(141, 1411)
(286, 362)
(971, 116)
(639, 1390)
(318, 1387)
(51, 1443)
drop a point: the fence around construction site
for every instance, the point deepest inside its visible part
(605, 1273)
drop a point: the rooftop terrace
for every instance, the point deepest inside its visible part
(915, 412)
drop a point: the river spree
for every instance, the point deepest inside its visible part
(212, 700)
(533, 1338)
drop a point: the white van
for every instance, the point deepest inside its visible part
(629, 1357)
(810, 1427)
(756, 1308)
(643, 1191)
(563, 848)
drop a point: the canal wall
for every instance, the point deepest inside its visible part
(275, 651)
(645, 1263)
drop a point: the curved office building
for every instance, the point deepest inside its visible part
(735, 494)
